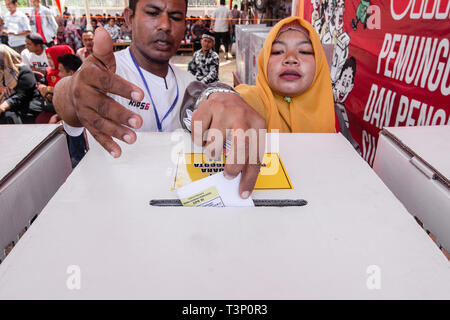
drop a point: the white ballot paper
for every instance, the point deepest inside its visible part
(213, 191)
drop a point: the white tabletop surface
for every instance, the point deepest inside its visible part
(100, 221)
(431, 143)
(17, 141)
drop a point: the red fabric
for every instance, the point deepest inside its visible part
(39, 25)
(55, 52)
(43, 117)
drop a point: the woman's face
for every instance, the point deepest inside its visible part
(292, 65)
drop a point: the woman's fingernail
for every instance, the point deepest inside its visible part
(136, 96)
(127, 138)
(245, 195)
(228, 176)
(133, 122)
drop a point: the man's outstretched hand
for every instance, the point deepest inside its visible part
(231, 117)
(81, 100)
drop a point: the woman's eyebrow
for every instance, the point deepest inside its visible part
(279, 42)
(304, 42)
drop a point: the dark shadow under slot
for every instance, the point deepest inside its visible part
(257, 202)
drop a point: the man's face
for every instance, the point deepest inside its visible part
(111, 22)
(88, 40)
(158, 26)
(344, 85)
(207, 44)
(292, 66)
(339, 15)
(31, 46)
(12, 7)
(35, 3)
(63, 72)
(93, 23)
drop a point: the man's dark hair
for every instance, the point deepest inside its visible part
(88, 31)
(235, 6)
(222, 2)
(36, 38)
(349, 63)
(70, 61)
(14, 1)
(132, 4)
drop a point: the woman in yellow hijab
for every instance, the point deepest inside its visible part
(293, 87)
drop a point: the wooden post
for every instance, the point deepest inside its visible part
(88, 15)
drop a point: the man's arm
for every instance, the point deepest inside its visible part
(82, 100)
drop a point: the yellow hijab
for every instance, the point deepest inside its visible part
(312, 111)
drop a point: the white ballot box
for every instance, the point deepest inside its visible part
(99, 238)
(414, 162)
(34, 162)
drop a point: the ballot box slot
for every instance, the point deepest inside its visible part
(257, 202)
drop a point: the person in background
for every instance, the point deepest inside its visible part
(52, 78)
(113, 29)
(205, 62)
(88, 42)
(17, 26)
(3, 37)
(94, 24)
(68, 37)
(34, 53)
(125, 32)
(198, 29)
(66, 16)
(19, 98)
(235, 16)
(221, 25)
(43, 22)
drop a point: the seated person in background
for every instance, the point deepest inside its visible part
(197, 30)
(293, 87)
(113, 29)
(20, 100)
(68, 65)
(51, 79)
(34, 53)
(205, 62)
(88, 42)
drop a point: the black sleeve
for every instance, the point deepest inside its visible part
(26, 84)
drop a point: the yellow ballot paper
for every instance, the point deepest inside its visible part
(195, 166)
(213, 191)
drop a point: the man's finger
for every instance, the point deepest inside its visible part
(201, 119)
(103, 49)
(215, 140)
(106, 142)
(108, 108)
(92, 119)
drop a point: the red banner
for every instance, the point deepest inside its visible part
(390, 63)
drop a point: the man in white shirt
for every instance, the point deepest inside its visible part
(88, 42)
(114, 94)
(17, 26)
(221, 25)
(43, 22)
(34, 53)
